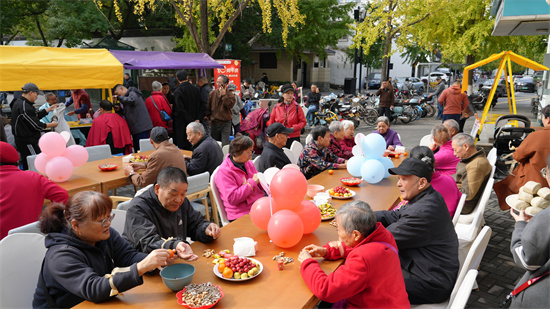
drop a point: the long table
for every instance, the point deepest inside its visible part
(76, 184)
(272, 288)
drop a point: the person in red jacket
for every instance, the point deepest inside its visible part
(158, 102)
(454, 102)
(371, 276)
(20, 206)
(289, 113)
(110, 129)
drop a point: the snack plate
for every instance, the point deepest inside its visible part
(179, 296)
(108, 167)
(510, 199)
(219, 275)
(356, 182)
(342, 197)
(327, 218)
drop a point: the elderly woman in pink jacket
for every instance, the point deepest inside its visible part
(237, 179)
(445, 159)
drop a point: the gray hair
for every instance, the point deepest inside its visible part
(196, 127)
(356, 215)
(441, 133)
(157, 86)
(383, 119)
(347, 123)
(48, 95)
(463, 138)
(451, 124)
(335, 126)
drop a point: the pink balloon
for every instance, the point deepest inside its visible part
(288, 188)
(59, 169)
(285, 228)
(260, 212)
(310, 215)
(52, 144)
(77, 154)
(40, 162)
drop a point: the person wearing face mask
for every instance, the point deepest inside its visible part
(237, 179)
(424, 233)
(289, 113)
(162, 218)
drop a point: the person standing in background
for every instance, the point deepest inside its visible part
(220, 103)
(135, 113)
(313, 99)
(236, 110)
(173, 82)
(82, 104)
(387, 99)
(205, 89)
(168, 94)
(187, 108)
(128, 82)
(157, 102)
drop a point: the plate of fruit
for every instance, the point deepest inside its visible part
(238, 269)
(108, 167)
(351, 181)
(327, 211)
(138, 158)
(341, 193)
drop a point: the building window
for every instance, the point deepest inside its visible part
(268, 61)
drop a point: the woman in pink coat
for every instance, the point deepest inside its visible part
(445, 159)
(237, 179)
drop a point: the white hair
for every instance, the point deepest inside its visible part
(157, 86)
(335, 126)
(347, 123)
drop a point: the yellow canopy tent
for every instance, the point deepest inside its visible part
(506, 66)
(58, 68)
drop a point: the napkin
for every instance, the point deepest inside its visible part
(245, 246)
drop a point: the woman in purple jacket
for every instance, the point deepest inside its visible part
(237, 179)
(391, 137)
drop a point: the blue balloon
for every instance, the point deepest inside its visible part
(354, 165)
(372, 171)
(388, 163)
(374, 145)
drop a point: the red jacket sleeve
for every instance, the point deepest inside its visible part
(51, 191)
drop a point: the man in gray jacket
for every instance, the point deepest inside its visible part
(135, 112)
(162, 218)
(437, 93)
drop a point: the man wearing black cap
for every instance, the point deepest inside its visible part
(26, 122)
(424, 233)
(165, 154)
(273, 154)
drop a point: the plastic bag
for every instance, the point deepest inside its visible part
(62, 125)
(245, 246)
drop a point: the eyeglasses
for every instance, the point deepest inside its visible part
(105, 222)
(543, 172)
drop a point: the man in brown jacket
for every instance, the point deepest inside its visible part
(218, 110)
(472, 172)
(165, 154)
(387, 99)
(454, 102)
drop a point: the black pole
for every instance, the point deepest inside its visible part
(360, 69)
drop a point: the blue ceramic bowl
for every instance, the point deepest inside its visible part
(177, 276)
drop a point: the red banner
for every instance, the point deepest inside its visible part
(232, 69)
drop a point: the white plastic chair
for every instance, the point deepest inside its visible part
(472, 261)
(225, 150)
(28, 228)
(296, 149)
(119, 221)
(145, 144)
(19, 272)
(492, 156)
(216, 194)
(309, 137)
(30, 163)
(98, 152)
(459, 207)
(290, 155)
(464, 291)
(427, 140)
(256, 163)
(125, 205)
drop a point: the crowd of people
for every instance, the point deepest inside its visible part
(394, 258)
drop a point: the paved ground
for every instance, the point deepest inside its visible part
(498, 272)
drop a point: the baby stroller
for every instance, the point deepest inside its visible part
(507, 139)
(254, 126)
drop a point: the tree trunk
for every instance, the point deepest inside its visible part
(385, 58)
(205, 37)
(44, 41)
(470, 59)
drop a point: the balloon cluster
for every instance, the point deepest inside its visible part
(56, 160)
(284, 214)
(368, 161)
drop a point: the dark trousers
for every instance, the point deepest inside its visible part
(439, 110)
(236, 128)
(290, 140)
(385, 111)
(221, 132)
(451, 116)
(461, 124)
(137, 137)
(421, 292)
(26, 148)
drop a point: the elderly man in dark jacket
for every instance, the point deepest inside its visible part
(162, 218)
(135, 112)
(187, 108)
(207, 154)
(273, 154)
(424, 233)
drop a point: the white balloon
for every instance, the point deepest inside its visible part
(294, 166)
(269, 173)
(359, 138)
(357, 151)
(263, 183)
(66, 135)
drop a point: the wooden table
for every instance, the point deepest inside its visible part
(76, 184)
(271, 289)
(111, 179)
